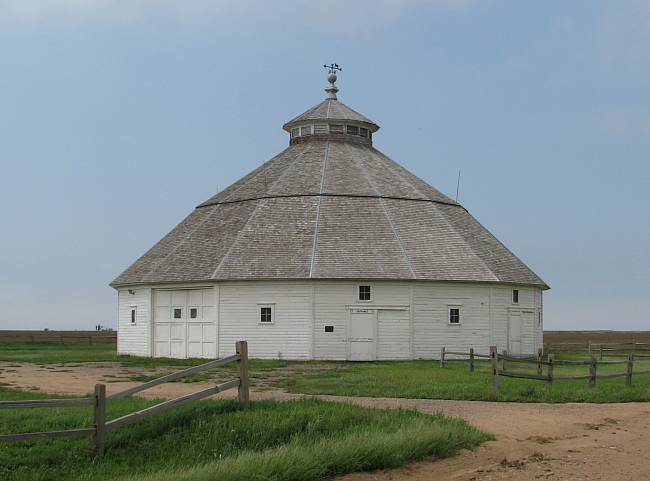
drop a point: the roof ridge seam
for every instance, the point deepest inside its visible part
(328, 194)
(258, 171)
(329, 104)
(402, 168)
(387, 214)
(243, 229)
(320, 200)
(460, 236)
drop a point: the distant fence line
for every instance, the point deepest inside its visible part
(59, 337)
(501, 365)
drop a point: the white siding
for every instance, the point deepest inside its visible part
(432, 331)
(332, 303)
(394, 334)
(412, 318)
(134, 338)
(289, 337)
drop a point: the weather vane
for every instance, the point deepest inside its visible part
(333, 68)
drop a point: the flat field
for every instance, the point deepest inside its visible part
(401, 379)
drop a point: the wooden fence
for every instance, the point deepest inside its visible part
(502, 366)
(598, 348)
(59, 337)
(101, 426)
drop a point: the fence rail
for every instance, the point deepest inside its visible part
(502, 366)
(101, 426)
(59, 337)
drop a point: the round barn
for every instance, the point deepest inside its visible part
(330, 250)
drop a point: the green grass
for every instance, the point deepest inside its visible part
(50, 353)
(426, 380)
(216, 440)
(408, 379)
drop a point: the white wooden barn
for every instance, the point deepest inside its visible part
(330, 250)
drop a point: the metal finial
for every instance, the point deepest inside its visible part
(331, 78)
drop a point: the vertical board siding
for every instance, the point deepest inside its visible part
(394, 334)
(134, 338)
(288, 337)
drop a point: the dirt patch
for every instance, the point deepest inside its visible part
(534, 441)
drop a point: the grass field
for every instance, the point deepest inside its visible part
(407, 379)
(425, 379)
(216, 440)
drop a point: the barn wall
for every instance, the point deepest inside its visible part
(289, 337)
(412, 318)
(134, 338)
(432, 331)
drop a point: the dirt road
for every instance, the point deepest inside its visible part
(534, 441)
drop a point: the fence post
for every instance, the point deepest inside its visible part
(592, 370)
(630, 365)
(244, 394)
(471, 359)
(551, 361)
(503, 361)
(100, 419)
(601, 351)
(589, 348)
(494, 357)
(442, 356)
(539, 361)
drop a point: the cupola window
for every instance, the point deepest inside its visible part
(337, 129)
(353, 130)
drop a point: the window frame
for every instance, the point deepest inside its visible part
(133, 314)
(369, 286)
(189, 312)
(515, 294)
(460, 314)
(268, 305)
(174, 318)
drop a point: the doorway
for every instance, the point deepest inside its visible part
(362, 345)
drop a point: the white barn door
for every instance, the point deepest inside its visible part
(184, 323)
(514, 333)
(362, 342)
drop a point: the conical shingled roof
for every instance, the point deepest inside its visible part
(330, 206)
(329, 110)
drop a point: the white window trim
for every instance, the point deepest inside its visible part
(372, 288)
(198, 313)
(133, 307)
(259, 313)
(460, 314)
(178, 319)
(512, 296)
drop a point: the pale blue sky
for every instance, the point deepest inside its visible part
(116, 120)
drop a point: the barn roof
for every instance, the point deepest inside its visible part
(330, 206)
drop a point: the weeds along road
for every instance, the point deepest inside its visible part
(534, 441)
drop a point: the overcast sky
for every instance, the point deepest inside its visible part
(117, 118)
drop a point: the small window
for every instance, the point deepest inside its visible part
(266, 314)
(133, 315)
(329, 328)
(294, 133)
(353, 130)
(305, 130)
(454, 315)
(363, 132)
(515, 296)
(364, 293)
(178, 313)
(194, 313)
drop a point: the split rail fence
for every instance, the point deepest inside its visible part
(502, 366)
(101, 426)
